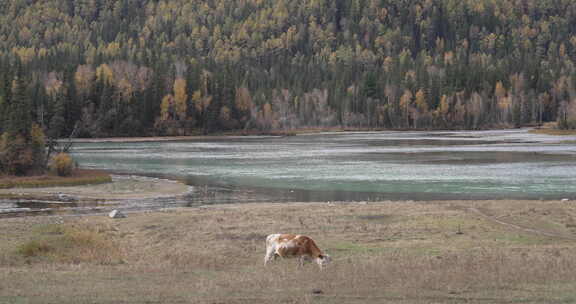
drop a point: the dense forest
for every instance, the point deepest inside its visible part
(175, 67)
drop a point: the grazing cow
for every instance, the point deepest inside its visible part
(294, 246)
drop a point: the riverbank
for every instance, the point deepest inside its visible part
(119, 187)
(387, 252)
(78, 177)
(544, 130)
(210, 137)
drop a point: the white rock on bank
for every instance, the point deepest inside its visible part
(116, 214)
(65, 197)
(564, 200)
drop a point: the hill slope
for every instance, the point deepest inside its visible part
(128, 67)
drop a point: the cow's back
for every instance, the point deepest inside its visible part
(272, 239)
(286, 245)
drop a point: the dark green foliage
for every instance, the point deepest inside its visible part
(16, 155)
(57, 123)
(19, 118)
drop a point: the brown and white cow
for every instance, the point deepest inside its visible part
(294, 246)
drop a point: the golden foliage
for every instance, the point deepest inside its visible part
(166, 107)
(26, 54)
(444, 107)
(499, 90)
(84, 77)
(268, 114)
(63, 164)
(201, 103)
(105, 74)
(243, 99)
(52, 83)
(180, 98)
(421, 101)
(37, 136)
(406, 99)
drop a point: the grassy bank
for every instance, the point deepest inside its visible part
(79, 177)
(557, 132)
(391, 252)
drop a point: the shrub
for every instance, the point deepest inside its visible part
(63, 164)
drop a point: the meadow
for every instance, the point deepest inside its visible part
(500, 251)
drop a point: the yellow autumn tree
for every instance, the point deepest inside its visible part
(421, 112)
(84, 77)
(405, 105)
(502, 100)
(421, 103)
(267, 115)
(105, 74)
(166, 107)
(201, 102)
(444, 107)
(499, 90)
(442, 114)
(180, 98)
(243, 99)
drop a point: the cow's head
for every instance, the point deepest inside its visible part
(323, 260)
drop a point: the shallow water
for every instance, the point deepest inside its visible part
(354, 166)
(359, 166)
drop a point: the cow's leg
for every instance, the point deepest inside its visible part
(301, 261)
(269, 256)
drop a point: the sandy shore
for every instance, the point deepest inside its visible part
(122, 187)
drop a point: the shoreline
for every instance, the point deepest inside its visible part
(296, 132)
(122, 187)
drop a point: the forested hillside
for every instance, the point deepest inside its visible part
(173, 67)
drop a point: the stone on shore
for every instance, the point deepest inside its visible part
(116, 214)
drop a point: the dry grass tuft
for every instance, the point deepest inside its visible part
(71, 243)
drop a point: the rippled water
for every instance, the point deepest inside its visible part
(356, 166)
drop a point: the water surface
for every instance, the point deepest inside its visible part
(356, 166)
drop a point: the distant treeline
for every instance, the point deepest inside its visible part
(174, 67)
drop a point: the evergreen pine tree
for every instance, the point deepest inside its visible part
(57, 122)
(19, 116)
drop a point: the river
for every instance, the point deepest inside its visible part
(354, 166)
(498, 164)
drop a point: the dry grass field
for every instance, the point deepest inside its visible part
(388, 252)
